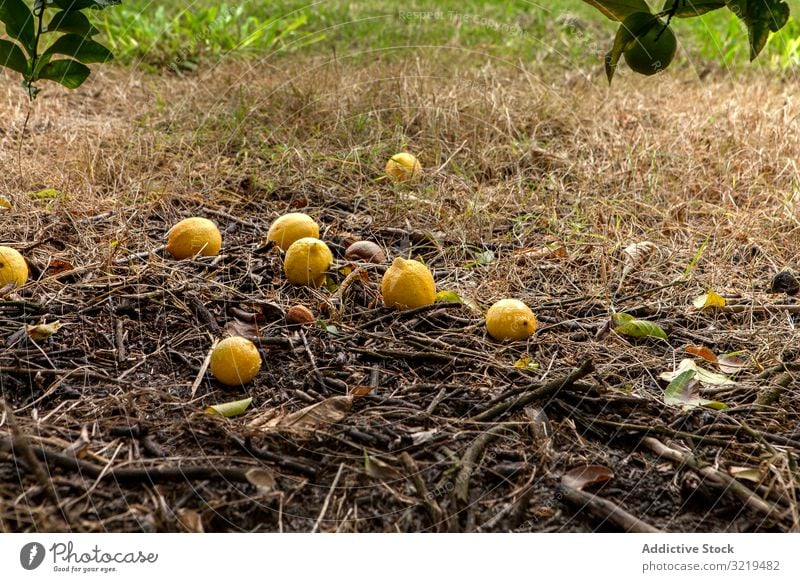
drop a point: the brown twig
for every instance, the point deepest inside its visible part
(607, 510)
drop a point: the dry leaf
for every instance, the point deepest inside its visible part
(261, 478)
(747, 473)
(544, 253)
(241, 327)
(380, 470)
(360, 391)
(581, 477)
(57, 266)
(43, 330)
(189, 520)
(731, 363)
(702, 352)
(701, 374)
(635, 255)
(540, 428)
(311, 418)
(5, 203)
(709, 300)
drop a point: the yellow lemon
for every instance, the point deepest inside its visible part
(292, 227)
(192, 236)
(403, 167)
(510, 319)
(306, 261)
(235, 361)
(13, 268)
(408, 284)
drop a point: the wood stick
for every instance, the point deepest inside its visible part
(607, 510)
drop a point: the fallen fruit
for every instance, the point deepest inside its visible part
(290, 228)
(13, 268)
(306, 262)
(299, 315)
(654, 46)
(408, 284)
(235, 361)
(192, 236)
(510, 319)
(403, 167)
(785, 282)
(365, 250)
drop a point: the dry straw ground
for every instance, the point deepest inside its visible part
(107, 436)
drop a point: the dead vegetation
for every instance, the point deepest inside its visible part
(440, 431)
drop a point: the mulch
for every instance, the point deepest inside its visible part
(414, 421)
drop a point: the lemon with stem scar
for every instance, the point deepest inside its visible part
(510, 319)
(306, 262)
(235, 361)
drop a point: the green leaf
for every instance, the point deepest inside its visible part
(18, 19)
(626, 324)
(622, 41)
(701, 374)
(71, 21)
(81, 4)
(69, 73)
(11, 56)
(448, 297)
(692, 8)
(80, 48)
(761, 17)
(229, 409)
(683, 391)
(619, 9)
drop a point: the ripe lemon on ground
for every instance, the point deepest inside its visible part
(235, 361)
(13, 268)
(306, 261)
(408, 284)
(510, 319)
(292, 227)
(192, 236)
(655, 45)
(403, 167)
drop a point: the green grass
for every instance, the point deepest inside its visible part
(571, 34)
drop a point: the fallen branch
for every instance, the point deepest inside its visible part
(536, 392)
(607, 510)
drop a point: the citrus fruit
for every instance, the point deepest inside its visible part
(235, 361)
(365, 250)
(408, 284)
(655, 45)
(306, 261)
(192, 236)
(291, 227)
(510, 319)
(299, 315)
(403, 167)
(13, 268)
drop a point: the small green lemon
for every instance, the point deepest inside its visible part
(655, 45)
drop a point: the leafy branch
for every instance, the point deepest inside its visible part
(32, 44)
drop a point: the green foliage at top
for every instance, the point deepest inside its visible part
(40, 34)
(761, 17)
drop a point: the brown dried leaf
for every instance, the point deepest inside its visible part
(581, 477)
(314, 417)
(380, 470)
(57, 266)
(261, 478)
(747, 473)
(702, 352)
(360, 391)
(189, 520)
(731, 363)
(242, 327)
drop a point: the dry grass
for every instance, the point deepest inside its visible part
(516, 159)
